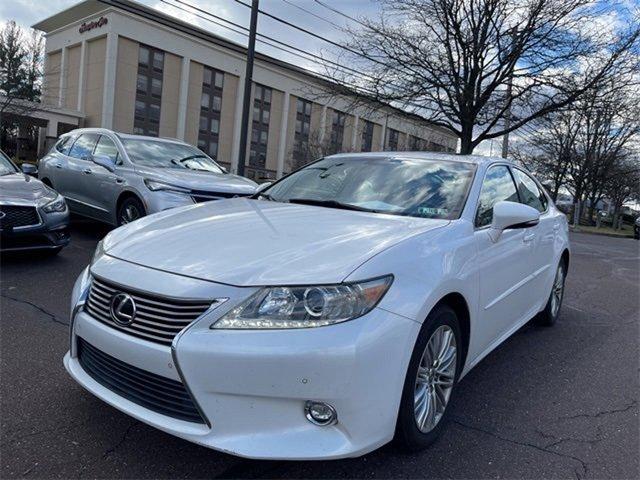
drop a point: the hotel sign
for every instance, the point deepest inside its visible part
(87, 26)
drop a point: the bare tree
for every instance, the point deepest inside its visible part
(453, 61)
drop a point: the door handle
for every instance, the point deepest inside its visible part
(87, 171)
(58, 165)
(556, 227)
(528, 237)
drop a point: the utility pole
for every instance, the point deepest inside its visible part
(246, 99)
(507, 121)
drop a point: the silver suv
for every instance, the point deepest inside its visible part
(117, 178)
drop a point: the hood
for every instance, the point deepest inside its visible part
(199, 180)
(248, 242)
(22, 188)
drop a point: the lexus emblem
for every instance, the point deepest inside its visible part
(123, 309)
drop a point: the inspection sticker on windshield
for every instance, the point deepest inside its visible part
(432, 211)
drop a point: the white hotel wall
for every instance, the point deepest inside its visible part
(208, 53)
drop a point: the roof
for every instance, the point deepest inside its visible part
(91, 7)
(124, 135)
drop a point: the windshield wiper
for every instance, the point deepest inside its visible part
(264, 195)
(331, 204)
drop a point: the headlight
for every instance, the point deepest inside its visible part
(305, 307)
(98, 253)
(56, 205)
(154, 186)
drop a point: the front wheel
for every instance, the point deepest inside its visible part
(130, 209)
(551, 312)
(433, 371)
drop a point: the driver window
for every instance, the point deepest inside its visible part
(497, 186)
(83, 147)
(106, 147)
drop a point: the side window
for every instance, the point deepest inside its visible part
(106, 147)
(497, 186)
(83, 147)
(64, 144)
(529, 191)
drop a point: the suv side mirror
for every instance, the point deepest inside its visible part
(512, 215)
(29, 169)
(263, 186)
(104, 161)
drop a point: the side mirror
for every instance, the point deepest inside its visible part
(263, 186)
(29, 169)
(104, 161)
(512, 215)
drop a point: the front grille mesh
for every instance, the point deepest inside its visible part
(157, 319)
(157, 393)
(18, 216)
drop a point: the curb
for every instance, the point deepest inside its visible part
(603, 234)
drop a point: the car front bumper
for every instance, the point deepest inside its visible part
(251, 386)
(51, 233)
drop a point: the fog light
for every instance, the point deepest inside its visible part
(320, 413)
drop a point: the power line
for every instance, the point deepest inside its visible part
(301, 53)
(334, 10)
(313, 14)
(315, 35)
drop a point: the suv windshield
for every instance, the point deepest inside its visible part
(6, 165)
(399, 186)
(159, 154)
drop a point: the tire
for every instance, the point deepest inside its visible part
(409, 435)
(130, 209)
(549, 316)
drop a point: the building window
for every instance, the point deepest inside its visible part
(210, 106)
(148, 91)
(337, 131)
(301, 136)
(367, 136)
(393, 139)
(414, 143)
(260, 129)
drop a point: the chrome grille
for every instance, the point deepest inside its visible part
(16, 216)
(157, 319)
(160, 394)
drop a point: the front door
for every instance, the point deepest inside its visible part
(503, 266)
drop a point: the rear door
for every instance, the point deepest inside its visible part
(503, 265)
(103, 186)
(542, 236)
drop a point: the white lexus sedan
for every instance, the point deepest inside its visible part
(332, 312)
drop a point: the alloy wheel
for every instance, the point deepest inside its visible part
(557, 291)
(435, 377)
(129, 214)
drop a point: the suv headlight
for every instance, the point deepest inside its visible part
(305, 307)
(56, 205)
(154, 186)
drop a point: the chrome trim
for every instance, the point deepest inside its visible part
(86, 204)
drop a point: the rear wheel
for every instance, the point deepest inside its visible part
(433, 370)
(551, 312)
(130, 209)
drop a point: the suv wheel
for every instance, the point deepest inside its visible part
(131, 209)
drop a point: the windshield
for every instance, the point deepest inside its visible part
(400, 186)
(6, 166)
(160, 154)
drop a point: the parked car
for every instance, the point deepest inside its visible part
(118, 178)
(336, 309)
(32, 215)
(636, 228)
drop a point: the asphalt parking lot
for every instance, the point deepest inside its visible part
(549, 403)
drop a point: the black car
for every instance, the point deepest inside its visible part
(32, 215)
